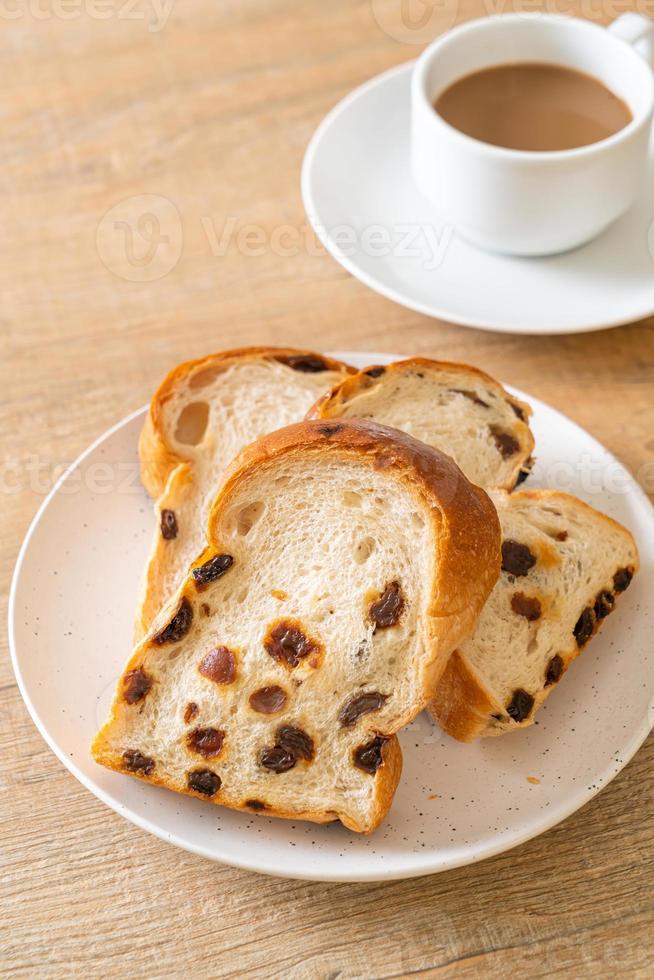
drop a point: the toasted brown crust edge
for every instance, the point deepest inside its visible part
(157, 458)
(469, 552)
(462, 705)
(329, 404)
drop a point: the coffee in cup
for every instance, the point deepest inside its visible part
(533, 106)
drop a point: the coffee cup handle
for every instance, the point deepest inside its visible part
(634, 28)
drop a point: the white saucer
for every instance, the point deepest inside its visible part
(70, 625)
(356, 176)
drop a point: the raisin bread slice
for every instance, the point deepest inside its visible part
(454, 407)
(202, 415)
(563, 566)
(345, 562)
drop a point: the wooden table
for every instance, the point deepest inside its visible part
(212, 111)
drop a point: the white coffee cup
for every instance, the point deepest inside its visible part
(524, 202)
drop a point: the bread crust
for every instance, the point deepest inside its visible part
(331, 403)
(463, 706)
(157, 458)
(468, 534)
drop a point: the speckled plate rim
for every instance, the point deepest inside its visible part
(411, 867)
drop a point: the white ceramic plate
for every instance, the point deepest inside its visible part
(70, 626)
(361, 200)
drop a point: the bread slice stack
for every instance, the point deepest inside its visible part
(307, 598)
(344, 563)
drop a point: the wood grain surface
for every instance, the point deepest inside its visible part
(210, 109)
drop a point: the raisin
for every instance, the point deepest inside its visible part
(136, 684)
(135, 761)
(507, 444)
(287, 644)
(604, 603)
(387, 609)
(471, 396)
(306, 363)
(562, 536)
(211, 570)
(554, 670)
(369, 757)
(622, 579)
(206, 741)
(256, 805)
(525, 471)
(329, 429)
(296, 742)
(375, 372)
(168, 525)
(179, 625)
(517, 410)
(360, 704)
(191, 711)
(527, 606)
(584, 627)
(517, 559)
(203, 781)
(520, 705)
(268, 700)
(219, 666)
(277, 759)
